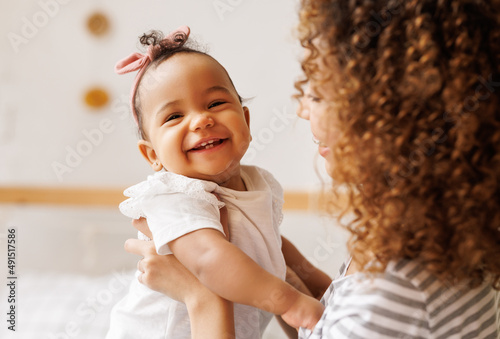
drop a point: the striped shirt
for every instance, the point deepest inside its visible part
(406, 301)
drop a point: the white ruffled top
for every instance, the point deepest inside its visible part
(163, 182)
(176, 205)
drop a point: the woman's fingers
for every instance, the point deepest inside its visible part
(141, 225)
(223, 219)
(139, 247)
(224, 222)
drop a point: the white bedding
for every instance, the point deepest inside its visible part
(70, 306)
(90, 245)
(64, 306)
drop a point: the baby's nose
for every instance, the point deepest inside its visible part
(201, 121)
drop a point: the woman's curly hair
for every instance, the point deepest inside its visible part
(417, 90)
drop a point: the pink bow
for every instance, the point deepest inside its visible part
(132, 63)
(138, 61)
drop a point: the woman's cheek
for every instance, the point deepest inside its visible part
(332, 137)
(325, 125)
(319, 129)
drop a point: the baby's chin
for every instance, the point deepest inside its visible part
(222, 175)
(219, 173)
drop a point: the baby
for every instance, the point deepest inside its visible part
(194, 133)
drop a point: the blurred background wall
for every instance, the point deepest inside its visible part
(51, 60)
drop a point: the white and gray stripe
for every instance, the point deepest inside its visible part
(406, 302)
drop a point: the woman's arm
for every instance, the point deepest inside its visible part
(211, 316)
(315, 280)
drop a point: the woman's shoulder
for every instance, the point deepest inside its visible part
(373, 306)
(402, 283)
(406, 299)
(454, 310)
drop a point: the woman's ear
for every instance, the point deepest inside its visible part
(148, 152)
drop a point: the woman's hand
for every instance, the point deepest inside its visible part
(210, 315)
(162, 273)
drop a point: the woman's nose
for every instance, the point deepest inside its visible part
(201, 121)
(303, 110)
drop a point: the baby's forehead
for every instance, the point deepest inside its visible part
(187, 62)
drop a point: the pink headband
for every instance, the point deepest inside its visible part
(138, 61)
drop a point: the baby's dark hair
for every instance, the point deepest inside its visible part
(165, 49)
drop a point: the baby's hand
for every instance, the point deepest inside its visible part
(304, 312)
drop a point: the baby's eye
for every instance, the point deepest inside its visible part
(173, 116)
(216, 103)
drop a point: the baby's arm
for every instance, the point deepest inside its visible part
(230, 273)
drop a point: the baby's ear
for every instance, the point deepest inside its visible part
(148, 152)
(246, 112)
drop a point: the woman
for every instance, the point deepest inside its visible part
(403, 99)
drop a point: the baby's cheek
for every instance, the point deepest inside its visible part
(243, 145)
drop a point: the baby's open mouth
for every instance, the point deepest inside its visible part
(208, 144)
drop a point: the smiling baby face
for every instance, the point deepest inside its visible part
(194, 120)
